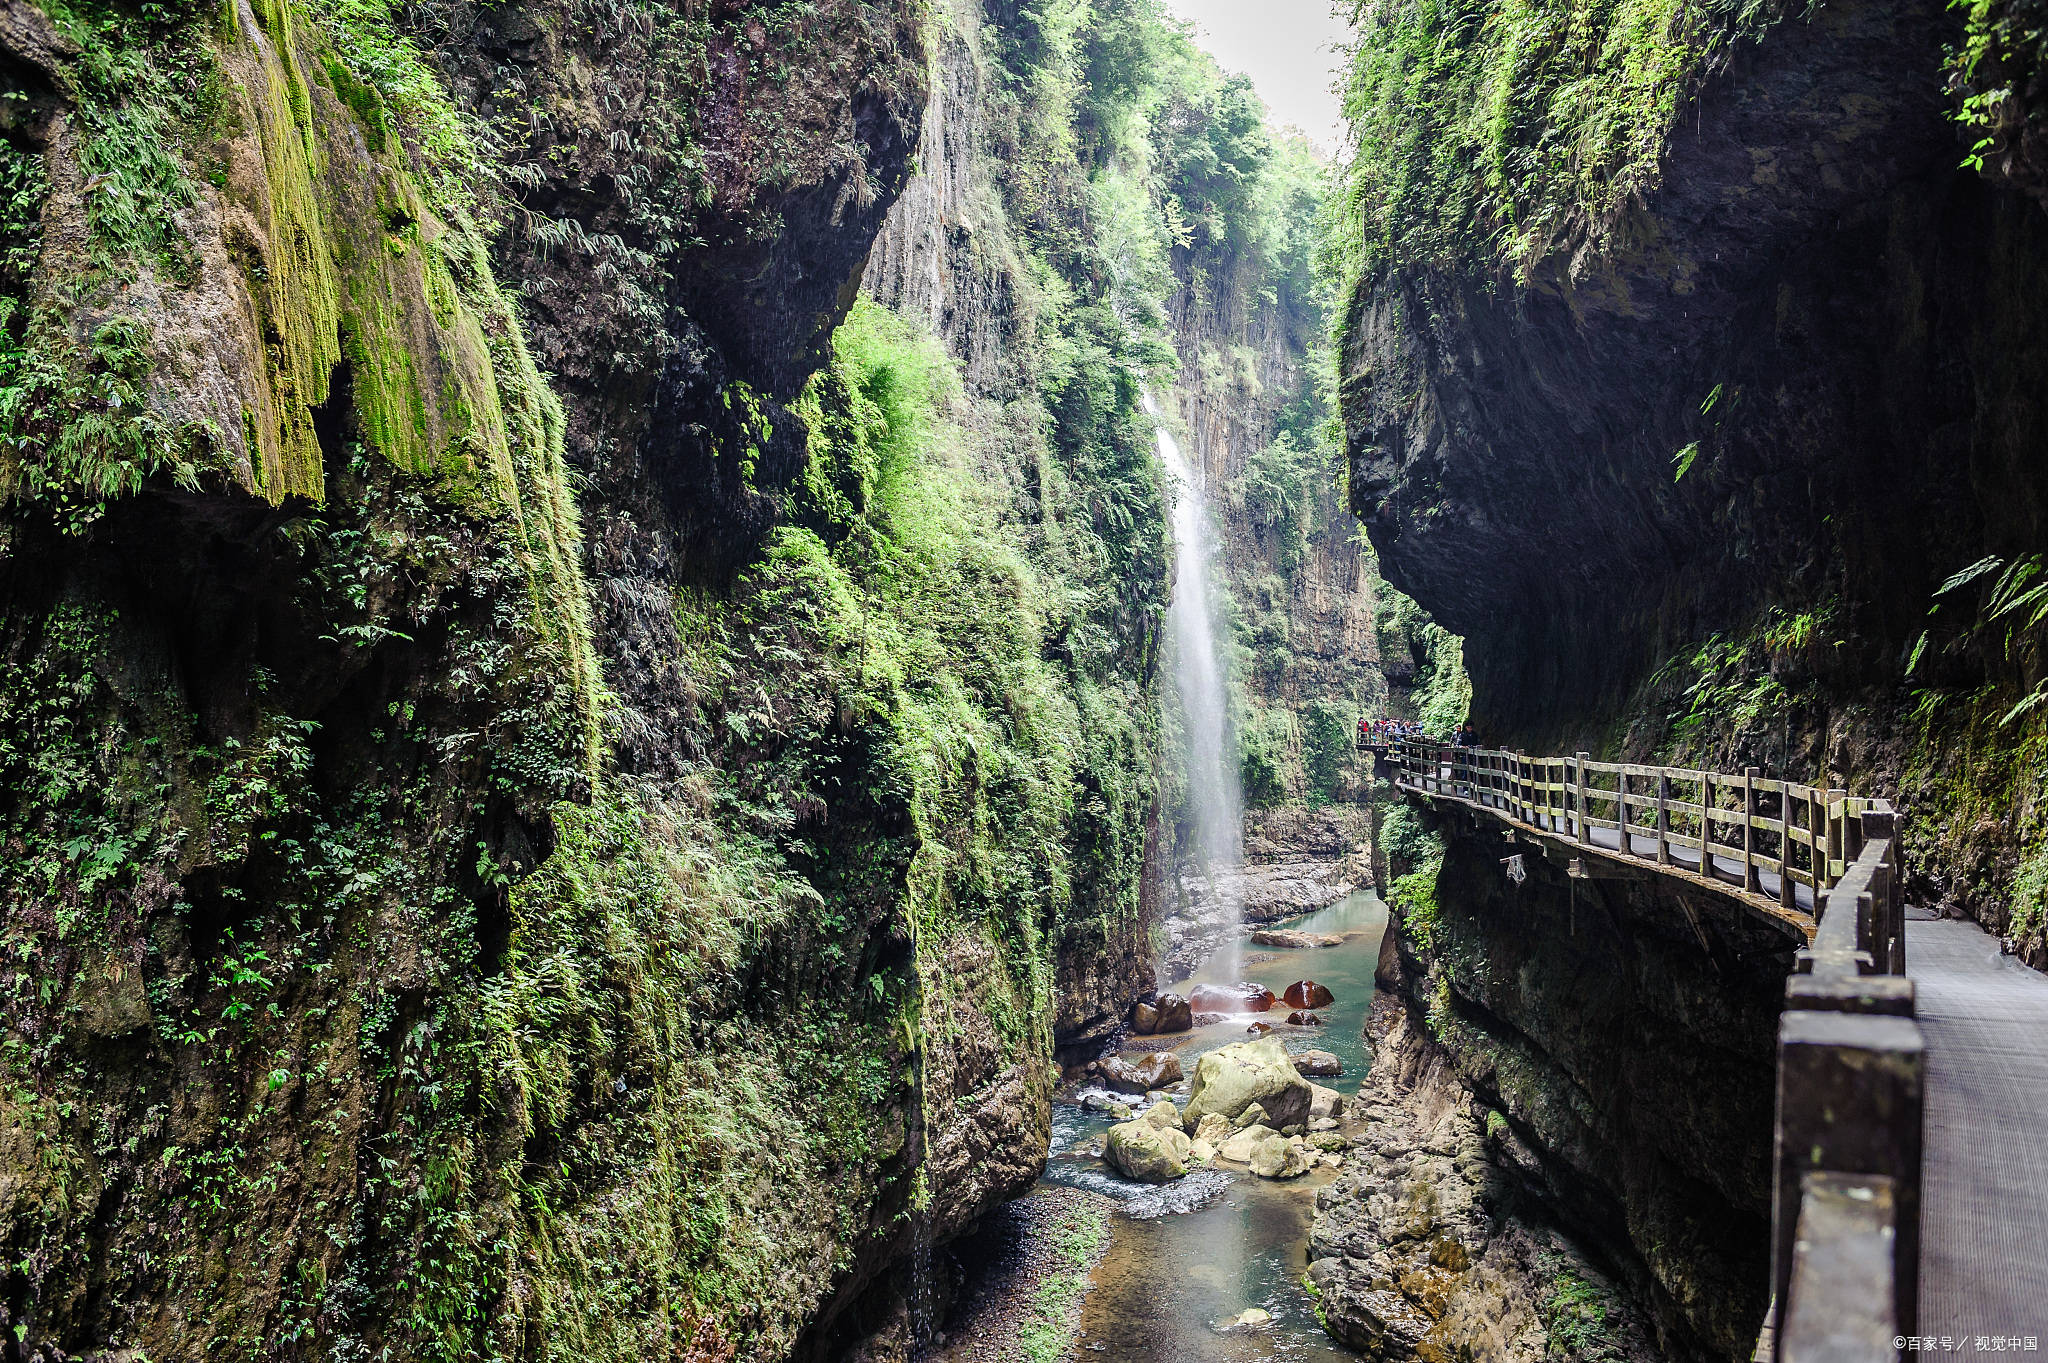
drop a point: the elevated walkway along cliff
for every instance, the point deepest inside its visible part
(1912, 1113)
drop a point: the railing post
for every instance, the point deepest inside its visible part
(1849, 1102)
(1749, 876)
(1884, 884)
(1788, 893)
(1663, 818)
(1836, 834)
(1621, 814)
(1707, 824)
(1585, 824)
(1817, 846)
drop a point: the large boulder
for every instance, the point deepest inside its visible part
(1144, 1019)
(1158, 1069)
(1143, 1075)
(1243, 1144)
(1308, 994)
(1175, 1014)
(1231, 1078)
(1279, 1157)
(1148, 1151)
(1283, 937)
(1244, 997)
(1325, 1103)
(1320, 1064)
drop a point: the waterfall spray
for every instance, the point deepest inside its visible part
(1214, 800)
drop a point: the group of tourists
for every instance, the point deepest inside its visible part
(1378, 733)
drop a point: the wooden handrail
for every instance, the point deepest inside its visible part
(1851, 1059)
(1767, 836)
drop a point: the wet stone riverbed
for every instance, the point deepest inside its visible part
(1185, 1259)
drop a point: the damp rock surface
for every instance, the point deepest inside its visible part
(1426, 1246)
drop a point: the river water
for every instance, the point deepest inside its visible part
(1190, 1256)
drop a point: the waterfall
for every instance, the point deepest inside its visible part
(1214, 799)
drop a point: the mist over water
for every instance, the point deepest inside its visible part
(1214, 800)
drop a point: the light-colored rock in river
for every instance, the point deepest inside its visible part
(1324, 1102)
(1213, 1128)
(1147, 1151)
(1231, 1078)
(1279, 1157)
(1162, 1114)
(1238, 1149)
(1319, 1064)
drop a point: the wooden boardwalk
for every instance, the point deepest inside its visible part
(1984, 1178)
(1938, 1041)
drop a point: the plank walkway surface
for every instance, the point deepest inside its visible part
(1984, 1188)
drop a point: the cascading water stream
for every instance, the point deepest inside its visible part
(1214, 799)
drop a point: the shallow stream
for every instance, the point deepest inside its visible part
(1188, 1257)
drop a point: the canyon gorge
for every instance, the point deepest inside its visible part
(677, 676)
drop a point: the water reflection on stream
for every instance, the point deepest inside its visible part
(1171, 1275)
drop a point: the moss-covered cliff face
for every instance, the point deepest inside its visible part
(1685, 363)
(1691, 376)
(1624, 1031)
(561, 775)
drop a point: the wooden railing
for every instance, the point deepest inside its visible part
(1845, 1213)
(1851, 1060)
(1769, 838)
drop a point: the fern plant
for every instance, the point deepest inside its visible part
(2010, 617)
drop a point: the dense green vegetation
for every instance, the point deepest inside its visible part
(1490, 136)
(361, 999)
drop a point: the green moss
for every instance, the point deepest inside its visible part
(1413, 897)
(1578, 1315)
(1048, 1334)
(1509, 131)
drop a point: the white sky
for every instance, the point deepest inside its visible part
(1285, 47)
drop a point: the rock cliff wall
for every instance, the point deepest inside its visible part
(1685, 370)
(1687, 457)
(561, 773)
(1625, 1030)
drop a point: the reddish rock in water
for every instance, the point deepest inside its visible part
(1308, 994)
(1158, 1069)
(1142, 1075)
(1230, 998)
(1174, 1013)
(1166, 1013)
(1259, 1028)
(1303, 1018)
